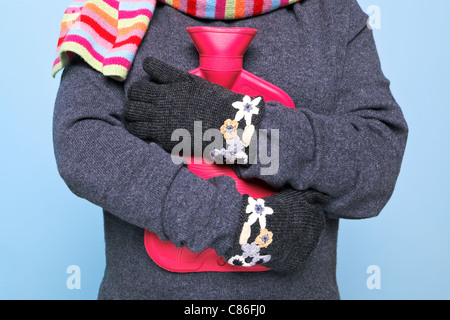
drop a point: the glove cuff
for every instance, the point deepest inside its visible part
(246, 250)
(279, 231)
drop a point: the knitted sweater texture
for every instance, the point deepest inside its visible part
(345, 138)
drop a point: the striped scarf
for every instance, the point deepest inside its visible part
(107, 33)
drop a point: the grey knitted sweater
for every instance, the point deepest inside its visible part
(345, 138)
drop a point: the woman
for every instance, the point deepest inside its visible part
(345, 139)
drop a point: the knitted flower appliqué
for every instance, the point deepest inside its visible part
(235, 151)
(247, 108)
(264, 239)
(229, 129)
(248, 134)
(258, 211)
(251, 251)
(250, 256)
(235, 145)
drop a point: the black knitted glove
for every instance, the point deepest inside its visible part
(279, 231)
(174, 99)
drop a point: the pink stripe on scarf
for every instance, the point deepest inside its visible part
(248, 11)
(220, 9)
(266, 5)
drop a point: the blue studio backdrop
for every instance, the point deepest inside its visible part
(48, 235)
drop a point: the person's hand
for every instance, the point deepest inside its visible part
(174, 99)
(279, 231)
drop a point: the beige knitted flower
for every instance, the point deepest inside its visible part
(229, 129)
(264, 239)
(245, 234)
(248, 134)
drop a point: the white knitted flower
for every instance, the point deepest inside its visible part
(258, 211)
(238, 261)
(247, 108)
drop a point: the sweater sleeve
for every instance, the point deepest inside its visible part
(135, 181)
(352, 153)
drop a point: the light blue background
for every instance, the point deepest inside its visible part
(44, 228)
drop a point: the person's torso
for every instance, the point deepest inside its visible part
(294, 50)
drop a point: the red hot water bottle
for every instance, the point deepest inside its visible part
(221, 52)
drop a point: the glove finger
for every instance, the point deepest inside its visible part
(162, 72)
(137, 111)
(142, 130)
(146, 91)
(150, 132)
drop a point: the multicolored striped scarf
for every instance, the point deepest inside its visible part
(107, 33)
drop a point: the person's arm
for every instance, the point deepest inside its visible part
(137, 181)
(353, 154)
(102, 162)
